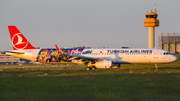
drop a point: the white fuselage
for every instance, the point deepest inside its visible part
(118, 56)
(137, 56)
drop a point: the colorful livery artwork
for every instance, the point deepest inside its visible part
(52, 55)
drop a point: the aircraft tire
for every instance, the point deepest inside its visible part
(88, 68)
(93, 68)
(64, 58)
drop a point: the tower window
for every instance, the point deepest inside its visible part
(147, 16)
(151, 16)
(155, 16)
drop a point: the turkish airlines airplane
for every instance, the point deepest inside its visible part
(93, 58)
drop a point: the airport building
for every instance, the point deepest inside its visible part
(170, 42)
(7, 59)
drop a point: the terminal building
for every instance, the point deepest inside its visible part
(170, 42)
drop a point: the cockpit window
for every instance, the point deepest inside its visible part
(166, 53)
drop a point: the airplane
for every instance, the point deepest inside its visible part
(93, 58)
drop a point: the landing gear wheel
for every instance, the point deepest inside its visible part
(88, 68)
(93, 68)
(64, 58)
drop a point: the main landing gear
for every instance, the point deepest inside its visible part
(91, 68)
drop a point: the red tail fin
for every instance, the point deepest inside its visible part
(19, 42)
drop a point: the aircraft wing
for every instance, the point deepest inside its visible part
(86, 59)
(83, 57)
(61, 63)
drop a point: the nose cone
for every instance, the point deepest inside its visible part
(173, 58)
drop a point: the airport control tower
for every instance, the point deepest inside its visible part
(151, 21)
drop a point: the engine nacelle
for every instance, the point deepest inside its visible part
(103, 64)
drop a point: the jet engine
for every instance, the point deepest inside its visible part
(103, 64)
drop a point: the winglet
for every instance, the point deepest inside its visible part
(59, 50)
(19, 42)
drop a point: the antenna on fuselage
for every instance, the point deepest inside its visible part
(107, 46)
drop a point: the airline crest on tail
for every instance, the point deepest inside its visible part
(19, 42)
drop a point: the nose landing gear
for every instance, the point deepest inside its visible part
(156, 66)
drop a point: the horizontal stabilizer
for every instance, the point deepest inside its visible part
(15, 52)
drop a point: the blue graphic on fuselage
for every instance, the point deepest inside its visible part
(87, 52)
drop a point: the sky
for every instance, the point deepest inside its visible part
(90, 23)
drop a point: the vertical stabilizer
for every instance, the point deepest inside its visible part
(19, 42)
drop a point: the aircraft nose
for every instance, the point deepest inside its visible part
(174, 58)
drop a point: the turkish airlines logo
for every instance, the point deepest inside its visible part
(19, 42)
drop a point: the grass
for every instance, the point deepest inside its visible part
(66, 83)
